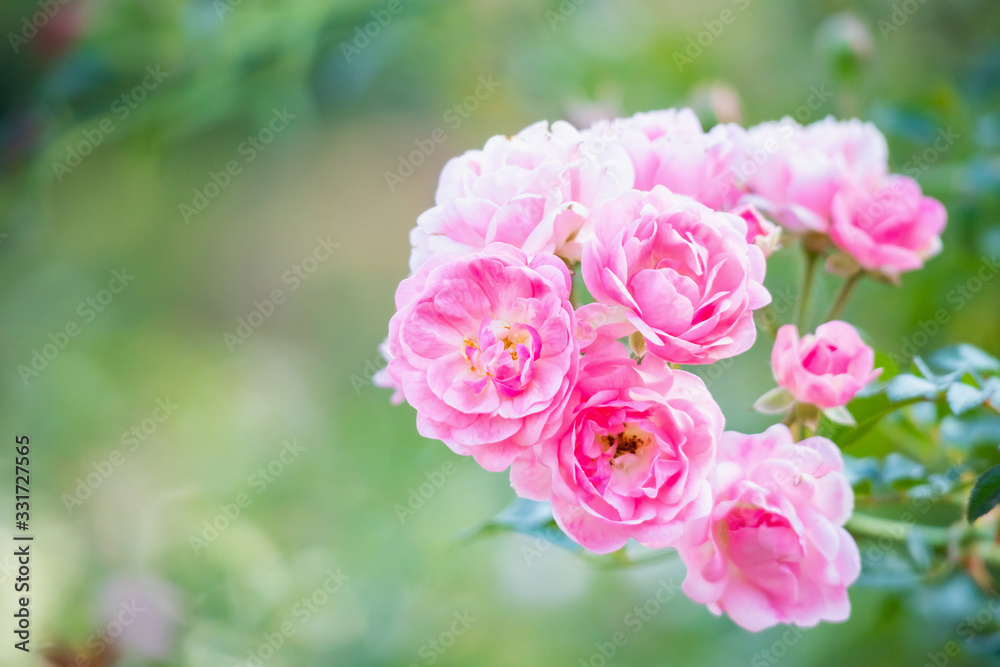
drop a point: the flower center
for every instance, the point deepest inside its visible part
(749, 527)
(630, 440)
(750, 516)
(504, 353)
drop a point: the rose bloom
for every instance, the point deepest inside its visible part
(826, 368)
(677, 272)
(796, 171)
(533, 190)
(773, 549)
(482, 346)
(891, 230)
(632, 458)
(669, 148)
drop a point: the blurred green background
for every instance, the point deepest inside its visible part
(216, 152)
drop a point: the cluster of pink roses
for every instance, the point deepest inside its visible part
(670, 227)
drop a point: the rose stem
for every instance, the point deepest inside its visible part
(808, 275)
(843, 295)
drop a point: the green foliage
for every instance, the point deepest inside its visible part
(58, 240)
(985, 494)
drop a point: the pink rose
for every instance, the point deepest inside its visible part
(797, 171)
(533, 191)
(773, 549)
(890, 230)
(646, 138)
(669, 148)
(826, 368)
(677, 272)
(483, 348)
(632, 458)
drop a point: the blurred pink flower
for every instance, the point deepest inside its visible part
(796, 171)
(826, 368)
(632, 458)
(669, 148)
(773, 549)
(534, 191)
(891, 229)
(142, 613)
(679, 273)
(483, 347)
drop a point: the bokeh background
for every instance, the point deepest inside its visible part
(116, 119)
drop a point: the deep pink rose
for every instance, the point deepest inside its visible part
(826, 368)
(483, 348)
(632, 458)
(533, 190)
(890, 230)
(677, 272)
(669, 148)
(796, 171)
(773, 549)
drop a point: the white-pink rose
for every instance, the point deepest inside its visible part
(483, 347)
(773, 549)
(534, 191)
(669, 148)
(679, 273)
(632, 458)
(796, 171)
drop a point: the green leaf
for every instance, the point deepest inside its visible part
(839, 415)
(962, 397)
(774, 402)
(891, 571)
(941, 381)
(972, 430)
(924, 369)
(860, 470)
(523, 515)
(985, 494)
(965, 358)
(528, 517)
(897, 467)
(992, 388)
(917, 547)
(907, 386)
(874, 410)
